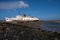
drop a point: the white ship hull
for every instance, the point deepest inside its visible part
(22, 18)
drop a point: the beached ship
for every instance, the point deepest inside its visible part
(21, 18)
(24, 20)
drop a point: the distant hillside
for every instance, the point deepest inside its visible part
(55, 21)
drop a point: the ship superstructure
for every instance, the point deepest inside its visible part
(22, 18)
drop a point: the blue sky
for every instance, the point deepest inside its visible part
(43, 9)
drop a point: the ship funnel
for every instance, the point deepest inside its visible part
(24, 15)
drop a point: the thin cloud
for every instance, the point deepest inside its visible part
(12, 5)
(22, 5)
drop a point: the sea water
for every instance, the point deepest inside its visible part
(51, 26)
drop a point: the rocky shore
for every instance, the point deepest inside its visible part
(26, 33)
(20, 32)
